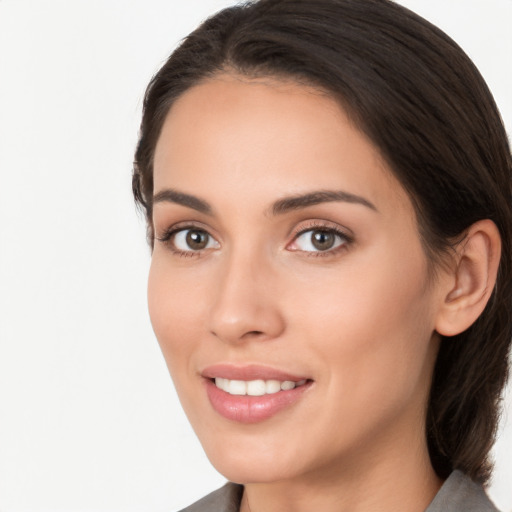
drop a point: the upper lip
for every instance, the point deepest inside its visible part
(249, 372)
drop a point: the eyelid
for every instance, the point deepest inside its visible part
(167, 232)
(320, 224)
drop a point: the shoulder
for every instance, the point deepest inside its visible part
(460, 493)
(225, 499)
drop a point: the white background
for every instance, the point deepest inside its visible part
(88, 417)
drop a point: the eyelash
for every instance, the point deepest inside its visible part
(167, 239)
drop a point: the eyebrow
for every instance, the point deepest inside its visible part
(279, 207)
(173, 196)
(321, 196)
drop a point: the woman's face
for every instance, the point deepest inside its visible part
(288, 265)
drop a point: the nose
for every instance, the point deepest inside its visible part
(246, 305)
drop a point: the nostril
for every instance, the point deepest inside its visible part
(254, 333)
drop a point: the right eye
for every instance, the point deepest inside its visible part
(189, 240)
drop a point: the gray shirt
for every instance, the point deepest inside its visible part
(458, 494)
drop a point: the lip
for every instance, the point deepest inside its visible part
(249, 372)
(251, 409)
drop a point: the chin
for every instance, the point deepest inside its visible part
(249, 470)
(251, 458)
(266, 457)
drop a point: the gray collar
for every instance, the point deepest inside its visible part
(460, 493)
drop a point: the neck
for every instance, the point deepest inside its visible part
(401, 480)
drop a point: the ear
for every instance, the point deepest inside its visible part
(471, 280)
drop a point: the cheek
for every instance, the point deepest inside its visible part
(174, 303)
(372, 326)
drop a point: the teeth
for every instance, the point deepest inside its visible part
(222, 383)
(287, 384)
(237, 387)
(255, 387)
(272, 386)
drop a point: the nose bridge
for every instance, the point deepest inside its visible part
(244, 304)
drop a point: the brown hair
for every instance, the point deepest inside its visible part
(423, 103)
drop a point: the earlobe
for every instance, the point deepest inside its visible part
(472, 280)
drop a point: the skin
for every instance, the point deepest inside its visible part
(358, 320)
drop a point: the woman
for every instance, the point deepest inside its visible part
(327, 185)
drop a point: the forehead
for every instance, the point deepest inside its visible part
(261, 138)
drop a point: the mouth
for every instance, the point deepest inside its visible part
(252, 393)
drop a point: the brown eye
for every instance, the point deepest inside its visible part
(319, 240)
(322, 240)
(193, 240)
(196, 239)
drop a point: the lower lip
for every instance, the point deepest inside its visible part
(252, 409)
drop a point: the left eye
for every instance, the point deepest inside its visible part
(318, 240)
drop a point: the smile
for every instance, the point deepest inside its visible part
(253, 393)
(258, 387)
